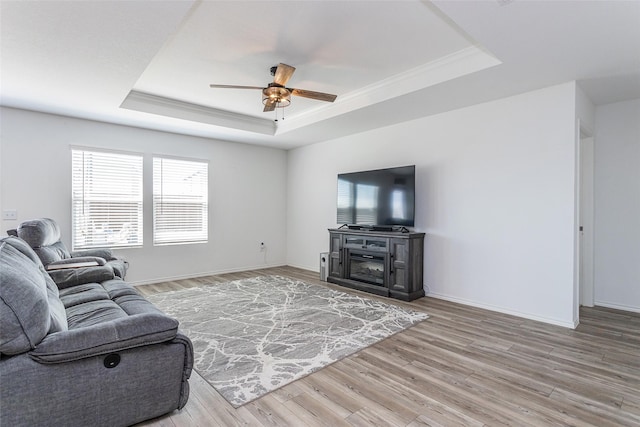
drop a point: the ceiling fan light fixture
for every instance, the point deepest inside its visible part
(278, 95)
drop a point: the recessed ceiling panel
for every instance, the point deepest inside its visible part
(336, 47)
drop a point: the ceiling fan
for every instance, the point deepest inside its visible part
(276, 94)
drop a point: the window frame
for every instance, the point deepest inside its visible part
(201, 237)
(136, 198)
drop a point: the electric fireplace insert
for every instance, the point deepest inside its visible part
(367, 268)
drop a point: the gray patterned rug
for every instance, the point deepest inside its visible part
(255, 335)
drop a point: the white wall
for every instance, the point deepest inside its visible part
(617, 206)
(247, 197)
(495, 195)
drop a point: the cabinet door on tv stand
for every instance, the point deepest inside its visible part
(335, 255)
(399, 258)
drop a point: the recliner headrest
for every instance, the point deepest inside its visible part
(39, 232)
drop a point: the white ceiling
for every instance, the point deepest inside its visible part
(150, 63)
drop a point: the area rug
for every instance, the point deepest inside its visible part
(252, 336)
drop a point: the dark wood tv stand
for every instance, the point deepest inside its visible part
(381, 262)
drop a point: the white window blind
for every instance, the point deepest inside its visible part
(106, 199)
(180, 201)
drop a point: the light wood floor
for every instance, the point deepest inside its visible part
(461, 367)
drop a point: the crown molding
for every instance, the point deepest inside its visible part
(449, 67)
(163, 106)
(457, 64)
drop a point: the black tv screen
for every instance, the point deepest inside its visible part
(382, 197)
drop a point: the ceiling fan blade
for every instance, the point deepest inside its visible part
(313, 95)
(283, 74)
(270, 105)
(234, 87)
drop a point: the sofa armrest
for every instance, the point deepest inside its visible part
(188, 367)
(108, 337)
(102, 253)
(67, 277)
(73, 262)
(188, 360)
(87, 258)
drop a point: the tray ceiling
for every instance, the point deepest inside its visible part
(149, 64)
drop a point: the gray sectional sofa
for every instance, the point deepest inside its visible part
(91, 354)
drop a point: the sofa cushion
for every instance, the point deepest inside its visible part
(94, 303)
(117, 288)
(93, 313)
(30, 306)
(128, 298)
(106, 337)
(90, 304)
(80, 294)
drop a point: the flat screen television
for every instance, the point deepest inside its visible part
(381, 198)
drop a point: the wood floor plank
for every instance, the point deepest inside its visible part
(592, 381)
(443, 387)
(270, 412)
(379, 399)
(600, 412)
(486, 404)
(313, 412)
(366, 417)
(328, 395)
(631, 405)
(221, 411)
(414, 398)
(546, 411)
(623, 358)
(463, 366)
(334, 391)
(432, 420)
(288, 392)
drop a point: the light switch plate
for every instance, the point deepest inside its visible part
(9, 214)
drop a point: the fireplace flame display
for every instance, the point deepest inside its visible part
(367, 268)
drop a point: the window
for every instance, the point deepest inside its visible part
(106, 199)
(399, 204)
(366, 203)
(357, 203)
(180, 201)
(345, 202)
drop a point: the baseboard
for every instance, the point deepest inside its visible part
(201, 274)
(557, 322)
(302, 267)
(617, 306)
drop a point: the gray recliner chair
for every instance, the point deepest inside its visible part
(43, 235)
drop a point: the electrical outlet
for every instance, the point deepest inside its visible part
(10, 214)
